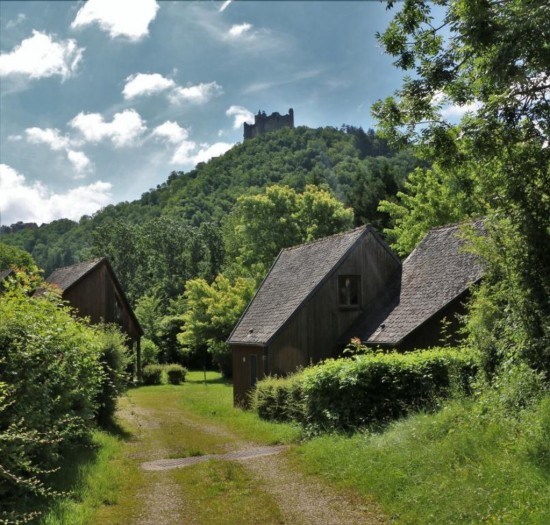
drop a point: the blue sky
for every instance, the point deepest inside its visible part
(100, 101)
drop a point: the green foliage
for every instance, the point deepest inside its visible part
(12, 257)
(175, 374)
(280, 399)
(261, 225)
(115, 360)
(211, 312)
(498, 156)
(149, 352)
(51, 377)
(152, 375)
(372, 388)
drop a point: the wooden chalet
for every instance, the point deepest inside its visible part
(320, 295)
(433, 287)
(311, 296)
(93, 289)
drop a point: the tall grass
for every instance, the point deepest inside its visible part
(466, 464)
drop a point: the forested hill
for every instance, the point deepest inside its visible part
(358, 167)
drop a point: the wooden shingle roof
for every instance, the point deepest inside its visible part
(295, 275)
(67, 276)
(437, 272)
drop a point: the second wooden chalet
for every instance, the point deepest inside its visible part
(313, 294)
(320, 295)
(92, 288)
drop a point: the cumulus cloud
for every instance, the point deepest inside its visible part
(57, 142)
(198, 94)
(239, 30)
(40, 56)
(170, 131)
(145, 84)
(33, 202)
(187, 155)
(241, 115)
(50, 136)
(81, 163)
(124, 130)
(126, 18)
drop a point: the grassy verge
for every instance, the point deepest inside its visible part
(92, 478)
(460, 465)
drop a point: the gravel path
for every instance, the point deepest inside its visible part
(302, 500)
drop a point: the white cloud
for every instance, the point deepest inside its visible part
(48, 136)
(81, 163)
(57, 142)
(21, 17)
(198, 94)
(127, 18)
(124, 130)
(185, 153)
(239, 30)
(456, 111)
(225, 5)
(145, 84)
(171, 132)
(241, 115)
(34, 202)
(39, 56)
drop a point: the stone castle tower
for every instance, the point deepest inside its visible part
(264, 124)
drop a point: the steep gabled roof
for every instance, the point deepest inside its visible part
(68, 276)
(437, 272)
(295, 275)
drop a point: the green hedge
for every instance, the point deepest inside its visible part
(152, 375)
(51, 386)
(343, 394)
(175, 374)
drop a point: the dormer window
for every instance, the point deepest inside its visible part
(349, 291)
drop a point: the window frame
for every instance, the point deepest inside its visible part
(348, 305)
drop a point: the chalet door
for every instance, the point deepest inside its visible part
(253, 370)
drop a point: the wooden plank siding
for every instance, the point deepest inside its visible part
(247, 361)
(314, 333)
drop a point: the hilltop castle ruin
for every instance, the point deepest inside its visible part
(264, 124)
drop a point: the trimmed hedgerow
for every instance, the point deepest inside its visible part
(344, 394)
(175, 374)
(279, 399)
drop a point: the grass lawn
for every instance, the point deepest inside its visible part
(460, 465)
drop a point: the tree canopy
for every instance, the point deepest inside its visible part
(490, 57)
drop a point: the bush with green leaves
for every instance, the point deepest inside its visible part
(51, 378)
(374, 388)
(175, 373)
(152, 375)
(279, 399)
(115, 359)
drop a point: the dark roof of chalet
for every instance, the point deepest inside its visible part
(68, 276)
(5, 273)
(437, 272)
(295, 275)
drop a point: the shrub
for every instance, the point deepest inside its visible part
(149, 352)
(175, 374)
(50, 383)
(115, 360)
(279, 399)
(343, 394)
(152, 375)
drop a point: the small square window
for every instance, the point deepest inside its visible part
(349, 291)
